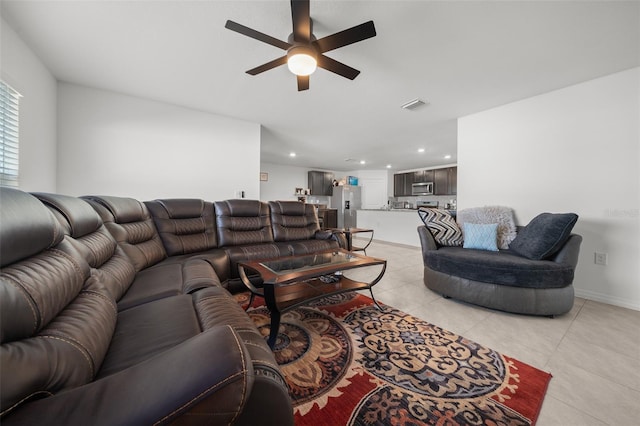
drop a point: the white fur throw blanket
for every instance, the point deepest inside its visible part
(503, 216)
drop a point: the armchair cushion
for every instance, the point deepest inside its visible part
(442, 226)
(501, 215)
(481, 236)
(544, 235)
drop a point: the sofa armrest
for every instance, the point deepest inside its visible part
(569, 252)
(426, 241)
(208, 376)
(332, 234)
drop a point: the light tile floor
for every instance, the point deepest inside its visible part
(593, 352)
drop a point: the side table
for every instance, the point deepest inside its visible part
(348, 232)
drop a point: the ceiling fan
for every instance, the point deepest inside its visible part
(304, 51)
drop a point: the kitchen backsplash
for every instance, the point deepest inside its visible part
(441, 199)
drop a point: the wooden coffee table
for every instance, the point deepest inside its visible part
(291, 281)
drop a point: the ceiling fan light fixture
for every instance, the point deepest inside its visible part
(301, 60)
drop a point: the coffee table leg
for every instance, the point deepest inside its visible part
(270, 299)
(275, 325)
(380, 308)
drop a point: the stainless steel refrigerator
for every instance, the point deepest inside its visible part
(347, 199)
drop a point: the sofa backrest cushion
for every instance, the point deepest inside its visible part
(185, 225)
(56, 320)
(131, 225)
(293, 220)
(27, 227)
(241, 222)
(89, 235)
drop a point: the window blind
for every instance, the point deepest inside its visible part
(9, 104)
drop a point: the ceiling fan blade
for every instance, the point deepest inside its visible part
(249, 32)
(269, 65)
(346, 37)
(303, 83)
(337, 67)
(301, 21)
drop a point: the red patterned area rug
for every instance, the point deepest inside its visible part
(347, 363)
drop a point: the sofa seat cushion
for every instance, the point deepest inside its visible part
(255, 251)
(313, 246)
(502, 268)
(168, 279)
(217, 258)
(149, 329)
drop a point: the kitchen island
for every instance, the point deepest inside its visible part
(394, 226)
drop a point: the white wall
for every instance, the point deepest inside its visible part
(571, 150)
(113, 144)
(22, 70)
(283, 180)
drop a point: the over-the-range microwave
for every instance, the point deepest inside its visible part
(422, 188)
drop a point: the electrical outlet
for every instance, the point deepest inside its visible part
(600, 258)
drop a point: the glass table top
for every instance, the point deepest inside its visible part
(310, 262)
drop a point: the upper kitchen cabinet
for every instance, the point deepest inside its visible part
(440, 181)
(453, 180)
(445, 181)
(423, 176)
(402, 183)
(398, 184)
(320, 183)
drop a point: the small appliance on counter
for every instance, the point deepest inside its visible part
(427, 204)
(401, 205)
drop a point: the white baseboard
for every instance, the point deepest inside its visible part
(604, 298)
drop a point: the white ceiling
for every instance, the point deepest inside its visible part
(461, 57)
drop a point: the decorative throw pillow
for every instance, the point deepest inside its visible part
(481, 236)
(503, 216)
(544, 235)
(442, 226)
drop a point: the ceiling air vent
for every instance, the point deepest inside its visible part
(411, 105)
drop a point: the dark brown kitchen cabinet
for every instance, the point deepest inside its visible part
(398, 184)
(445, 181)
(320, 183)
(409, 179)
(328, 218)
(402, 183)
(441, 182)
(453, 180)
(423, 176)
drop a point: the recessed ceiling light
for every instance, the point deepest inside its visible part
(362, 162)
(420, 149)
(292, 154)
(388, 166)
(446, 157)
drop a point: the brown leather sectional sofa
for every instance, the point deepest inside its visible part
(118, 312)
